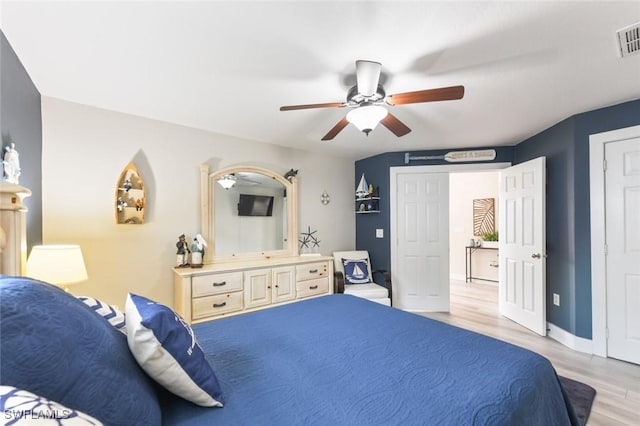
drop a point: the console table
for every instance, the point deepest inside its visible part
(467, 266)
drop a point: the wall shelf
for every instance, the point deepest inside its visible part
(366, 205)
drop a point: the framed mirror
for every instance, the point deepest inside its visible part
(248, 213)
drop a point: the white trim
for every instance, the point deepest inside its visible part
(457, 277)
(597, 209)
(393, 179)
(576, 343)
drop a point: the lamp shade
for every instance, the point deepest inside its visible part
(366, 117)
(57, 264)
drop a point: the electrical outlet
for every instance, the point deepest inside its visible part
(379, 233)
(556, 299)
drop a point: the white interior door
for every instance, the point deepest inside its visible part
(622, 205)
(420, 259)
(522, 287)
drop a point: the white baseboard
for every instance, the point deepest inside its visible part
(457, 277)
(576, 343)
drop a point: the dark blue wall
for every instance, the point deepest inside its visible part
(566, 148)
(21, 123)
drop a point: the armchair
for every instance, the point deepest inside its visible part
(358, 279)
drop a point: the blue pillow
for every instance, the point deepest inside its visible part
(108, 312)
(53, 345)
(19, 407)
(166, 348)
(356, 271)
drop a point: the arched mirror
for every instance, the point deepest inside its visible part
(248, 213)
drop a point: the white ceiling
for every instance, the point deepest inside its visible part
(228, 66)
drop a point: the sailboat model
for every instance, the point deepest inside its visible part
(363, 188)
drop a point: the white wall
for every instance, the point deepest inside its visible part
(463, 189)
(84, 151)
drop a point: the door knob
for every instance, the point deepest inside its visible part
(538, 255)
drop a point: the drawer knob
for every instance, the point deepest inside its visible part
(313, 287)
(220, 284)
(313, 271)
(219, 305)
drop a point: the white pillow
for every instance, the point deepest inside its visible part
(20, 407)
(166, 348)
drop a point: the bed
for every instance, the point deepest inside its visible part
(332, 360)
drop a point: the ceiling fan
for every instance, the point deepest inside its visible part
(367, 98)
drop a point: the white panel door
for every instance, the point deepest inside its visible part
(421, 273)
(522, 287)
(622, 205)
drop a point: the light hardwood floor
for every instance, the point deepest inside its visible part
(474, 306)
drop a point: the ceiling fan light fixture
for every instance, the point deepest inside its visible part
(227, 181)
(366, 117)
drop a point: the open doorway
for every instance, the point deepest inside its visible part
(420, 249)
(409, 225)
(473, 215)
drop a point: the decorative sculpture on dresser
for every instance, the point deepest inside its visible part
(182, 255)
(11, 164)
(197, 251)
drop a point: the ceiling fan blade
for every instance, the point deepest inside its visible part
(396, 126)
(367, 76)
(310, 106)
(429, 95)
(336, 129)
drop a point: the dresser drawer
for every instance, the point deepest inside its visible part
(312, 287)
(216, 305)
(205, 285)
(312, 270)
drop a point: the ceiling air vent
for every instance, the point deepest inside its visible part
(629, 40)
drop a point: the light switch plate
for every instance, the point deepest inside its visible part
(379, 233)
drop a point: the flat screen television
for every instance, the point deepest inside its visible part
(255, 205)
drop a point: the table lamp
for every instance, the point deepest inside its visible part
(57, 264)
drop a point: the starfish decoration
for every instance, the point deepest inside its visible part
(309, 238)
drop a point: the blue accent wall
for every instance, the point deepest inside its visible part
(566, 148)
(21, 123)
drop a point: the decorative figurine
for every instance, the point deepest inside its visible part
(291, 173)
(138, 205)
(197, 251)
(121, 204)
(363, 188)
(309, 241)
(127, 185)
(182, 255)
(11, 164)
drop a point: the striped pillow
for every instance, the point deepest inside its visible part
(20, 407)
(108, 312)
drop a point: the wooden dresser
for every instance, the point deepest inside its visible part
(222, 289)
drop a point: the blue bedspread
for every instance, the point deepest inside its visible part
(341, 360)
